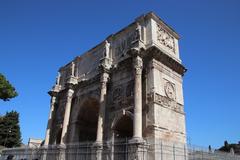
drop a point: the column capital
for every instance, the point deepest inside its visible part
(134, 52)
(105, 65)
(70, 93)
(104, 77)
(72, 80)
(103, 80)
(70, 86)
(138, 65)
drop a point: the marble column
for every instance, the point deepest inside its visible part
(66, 116)
(137, 120)
(50, 120)
(102, 102)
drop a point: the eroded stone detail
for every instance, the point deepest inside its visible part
(165, 38)
(170, 90)
(131, 72)
(165, 102)
(127, 42)
(138, 65)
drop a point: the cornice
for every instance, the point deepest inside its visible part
(154, 52)
(161, 22)
(88, 82)
(53, 93)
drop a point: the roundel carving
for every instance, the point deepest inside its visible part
(169, 90)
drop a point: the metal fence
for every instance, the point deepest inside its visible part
(117, 150)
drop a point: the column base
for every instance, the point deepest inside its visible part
(62, 152)
(98, 144)
(97, 149)
(136, 140)
(137, 148)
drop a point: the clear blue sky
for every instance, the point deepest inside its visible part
(37, 37)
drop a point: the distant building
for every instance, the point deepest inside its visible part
(233, 148)
(34, 143)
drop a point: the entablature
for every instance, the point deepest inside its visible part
(147, 32)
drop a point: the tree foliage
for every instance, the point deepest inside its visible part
(7, 91)
(227, 147)
(10, 135)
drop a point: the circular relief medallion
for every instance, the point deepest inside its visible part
(169, 90)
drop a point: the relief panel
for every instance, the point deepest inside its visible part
(125, 41)
(165, 39)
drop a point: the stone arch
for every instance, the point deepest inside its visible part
(81, 100)
(85, 117)
(122, 125)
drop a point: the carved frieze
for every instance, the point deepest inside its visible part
(165, 38)
(122, 96)
(165, 102)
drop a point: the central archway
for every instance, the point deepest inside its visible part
(87, 120)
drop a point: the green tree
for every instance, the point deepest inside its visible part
(7, 91)
(10, 135)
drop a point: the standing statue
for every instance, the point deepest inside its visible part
(72, 69)
(106, 52)
(137, 33)
(58, 78)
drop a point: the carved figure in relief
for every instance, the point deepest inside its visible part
(165, 38)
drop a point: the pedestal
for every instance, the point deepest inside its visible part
(137, 149)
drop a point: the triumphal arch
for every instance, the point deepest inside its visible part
(127, 87)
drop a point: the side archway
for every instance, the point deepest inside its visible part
(122, 125)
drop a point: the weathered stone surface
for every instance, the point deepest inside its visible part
(128, 86)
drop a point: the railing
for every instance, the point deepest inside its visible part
(117, 150)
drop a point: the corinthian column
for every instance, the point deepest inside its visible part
(50, 120)
(66, 115)
(137, 120)
(102, 102)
